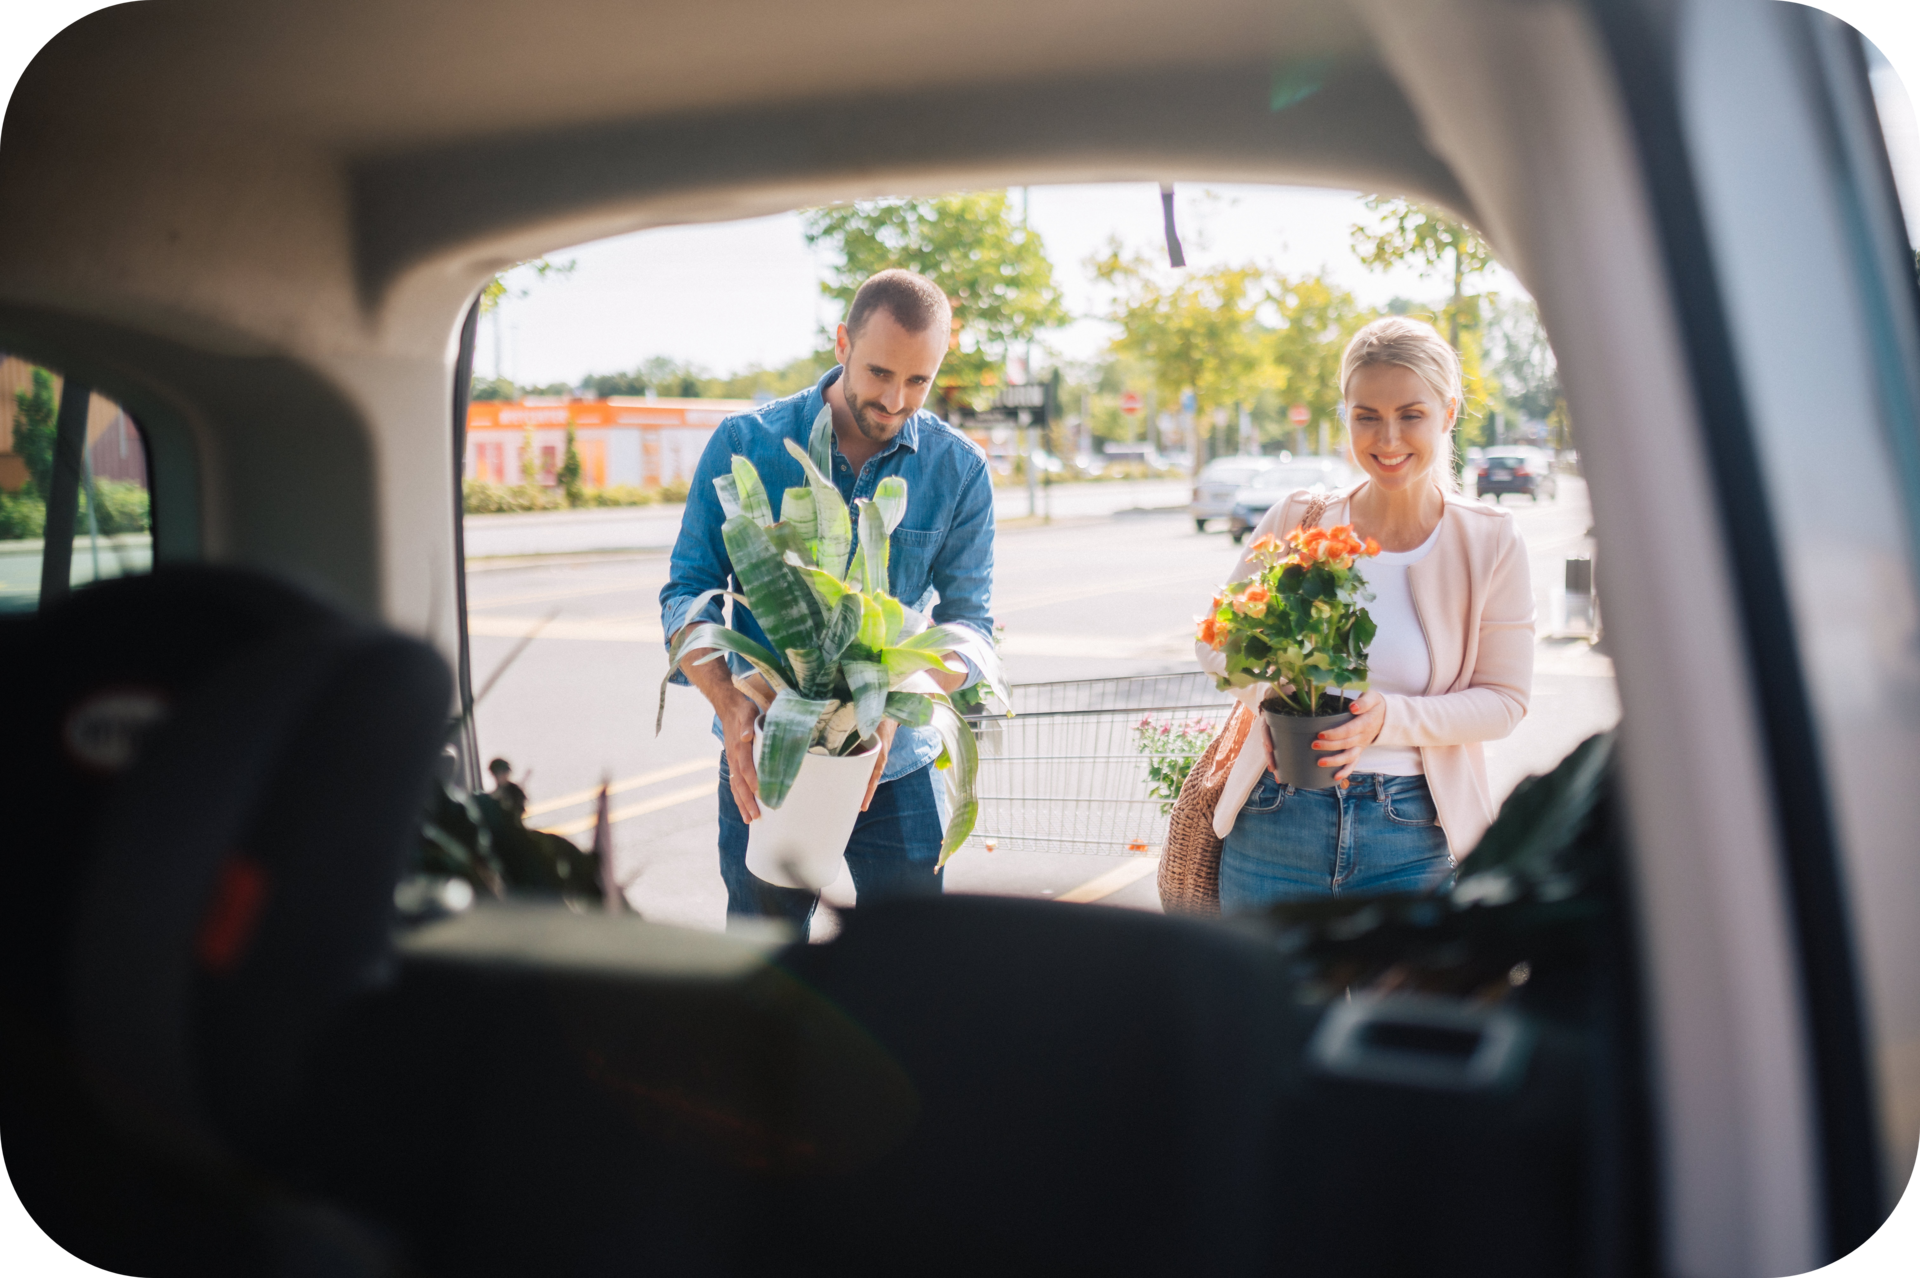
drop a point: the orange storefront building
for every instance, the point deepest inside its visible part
(641, 442)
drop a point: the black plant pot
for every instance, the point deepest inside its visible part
(1294, 757)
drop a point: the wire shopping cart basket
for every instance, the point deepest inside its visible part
(1066, 775)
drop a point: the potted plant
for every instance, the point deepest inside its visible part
(846, 654)
(1298, 625)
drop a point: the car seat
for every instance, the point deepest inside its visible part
(212, 778)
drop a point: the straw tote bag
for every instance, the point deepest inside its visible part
(1190, 866)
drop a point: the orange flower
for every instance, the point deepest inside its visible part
(1210, 633)
(1256, 596)
(1372, 547)
(1262, 544)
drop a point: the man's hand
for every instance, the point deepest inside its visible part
(737, 712)
(885, 732)
(736, 721)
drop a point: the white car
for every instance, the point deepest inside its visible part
(1220, 482)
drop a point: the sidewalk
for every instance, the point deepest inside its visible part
(653, 528)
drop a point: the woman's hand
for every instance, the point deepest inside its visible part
(1344, 743)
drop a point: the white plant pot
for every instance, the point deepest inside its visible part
(803, 842)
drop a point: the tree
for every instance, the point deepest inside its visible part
(1519, 355)
(1196, 332)
(994, 270)
(1317, 318)
(1418, 233)
(496, 290)
(34, 411)
(569, 475)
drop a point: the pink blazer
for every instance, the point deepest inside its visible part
(1474, 599)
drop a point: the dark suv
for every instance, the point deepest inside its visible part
(1515, 470)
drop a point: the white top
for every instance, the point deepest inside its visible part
(1397, 660)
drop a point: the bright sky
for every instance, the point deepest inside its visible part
(732, 294)
(727, 295)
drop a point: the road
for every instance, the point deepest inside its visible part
(568, 532)
(1091, 596)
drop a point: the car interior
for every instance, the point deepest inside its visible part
(1668, 1020)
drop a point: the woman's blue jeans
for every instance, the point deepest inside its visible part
(893, 851)
(1380, 834)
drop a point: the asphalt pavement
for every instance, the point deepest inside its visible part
(1111, 590)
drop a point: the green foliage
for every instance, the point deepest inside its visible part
(1297, 624)
(485, 390)
(1317, 318)
(845, 652)
(34, 410)
(1195, 331)
(674, 380)
(23, 516)
(122, 508)
(994, 270)
(482, 498)
(569, 475)
(497, 290)
(1172, 748)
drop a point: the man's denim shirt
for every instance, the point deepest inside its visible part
(941, 552)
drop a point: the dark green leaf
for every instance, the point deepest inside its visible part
(781, 600)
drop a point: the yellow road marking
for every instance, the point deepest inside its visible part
(673, 800)
(625, 784)
(1131, 871)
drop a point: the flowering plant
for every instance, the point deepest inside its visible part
(1172, 748)
(1297, 623)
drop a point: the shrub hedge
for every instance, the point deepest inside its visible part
(503, 499)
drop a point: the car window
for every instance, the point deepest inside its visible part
(75, 501)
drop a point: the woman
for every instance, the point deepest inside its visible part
(1450, 666)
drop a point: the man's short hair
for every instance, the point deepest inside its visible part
(915, 302)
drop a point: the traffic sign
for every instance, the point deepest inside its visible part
(1298, 414)
(1031, 396)
(1130, 403)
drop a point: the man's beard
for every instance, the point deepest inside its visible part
(874, 431)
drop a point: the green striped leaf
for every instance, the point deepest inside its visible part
(872, 556)
(827, 588)
(890, 495)
(820, 440)
(873, 624)
(796, 509)
(911, 709)
(711, 634)
(812, 671)
(780, 599)
(969, 643)
(833, 527)
(751, 492)
(903, 662)
(959, 765)
(843, 623)
(729, 493)
(785, 733)
(895, 614)
(868, 680)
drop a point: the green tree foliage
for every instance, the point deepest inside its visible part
(1421, 235)
(1196, 331)
(1316, 320)
(569, 476)
(497, 290)
(994, 270)
(1517, 353)
(672, 379)
(34, 410)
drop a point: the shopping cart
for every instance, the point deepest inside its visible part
(1066, 775)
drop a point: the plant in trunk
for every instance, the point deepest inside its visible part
(846, 654)
(1297, 623)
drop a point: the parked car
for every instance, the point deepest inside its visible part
(1251, 503)
(1220, 482)
(1511, 469)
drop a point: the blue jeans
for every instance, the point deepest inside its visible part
(1381, 834)
(893, 851)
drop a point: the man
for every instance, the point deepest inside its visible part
(889, 351)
